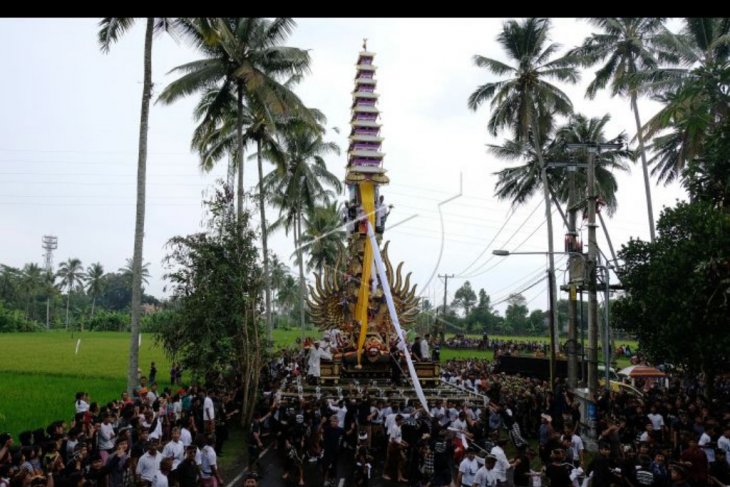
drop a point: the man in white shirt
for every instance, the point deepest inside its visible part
(473, 413)
(502, 464)
(381, 214)
(438, 412)
(209, 412)
(152, 394)
(451, 411)
(460, 424)
(705, 443)
(340, 411)
(154, 424)
(425, 348)
(645, 437)
(394, 459)
(149, 463)
(390, 417)
(657, 420)
(468, 469)
(174, 449)
(106, 437)
(209, 465)
(186, 438)
(724, 443)
(576, 446)
(316, 354)
(485, 475)
(160, 479)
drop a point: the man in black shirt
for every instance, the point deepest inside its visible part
(255, 445)
(331, 441)
(600, 467)
(188, 472)
(720, 468)
(522, 466)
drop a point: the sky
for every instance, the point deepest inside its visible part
(69, 135)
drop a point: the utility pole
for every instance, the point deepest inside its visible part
(592, 260)
(446, 278)
(593, 149)
(571, 247)
(50, 243)
(575, 265)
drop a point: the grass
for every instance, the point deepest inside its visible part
(287, 338)
(40, 373)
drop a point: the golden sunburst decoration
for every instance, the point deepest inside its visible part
(332, 298)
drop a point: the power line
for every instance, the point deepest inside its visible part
(495, 238)
(504, 300)
(500, 261)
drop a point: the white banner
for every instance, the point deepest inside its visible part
(394, 318)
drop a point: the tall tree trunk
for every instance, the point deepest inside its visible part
(68, 300)
(264, 243)
(644, 166)
(93, 304)
(245, 364)
(239, 153)
(302, 289)
(255, 370)
(139, 218)
(551, 255)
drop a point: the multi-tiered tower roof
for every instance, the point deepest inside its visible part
(364, 154)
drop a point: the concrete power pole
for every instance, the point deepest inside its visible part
(592, 260)
(571, 247)
(50, 243)
(446, 278)
(594, 150)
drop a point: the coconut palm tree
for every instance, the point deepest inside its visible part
(279, 271)
(324, 236)
(519, 183)
(10, 278)
(287, 294)
(31, 283)
(94, 283)
(696, 96)
(217, 133)
(110, 31)
(526, 103)
(302, 185)
(128, 271)
(245, 54)
(72, 278)
(628, 47)
(241, 56)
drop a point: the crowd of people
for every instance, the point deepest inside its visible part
(153, 438)
(669, 437)
(465, 342)
(510, 430)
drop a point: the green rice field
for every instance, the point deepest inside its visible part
(41, 372)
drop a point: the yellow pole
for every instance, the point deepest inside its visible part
(367, 197)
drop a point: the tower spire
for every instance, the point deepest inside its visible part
(364, 158)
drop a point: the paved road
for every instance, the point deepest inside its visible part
(272, 470)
